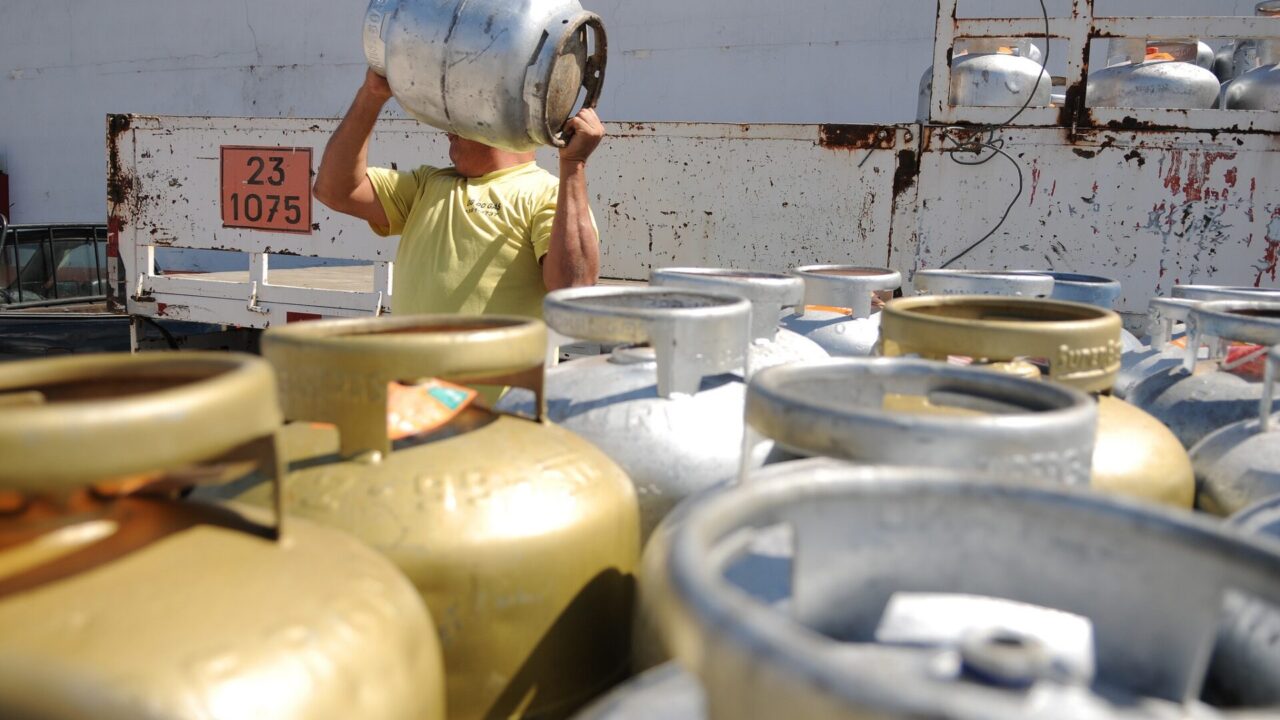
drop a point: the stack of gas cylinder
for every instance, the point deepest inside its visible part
(779, 495)
(1172, 73)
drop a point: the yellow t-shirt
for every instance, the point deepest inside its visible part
(470, 246)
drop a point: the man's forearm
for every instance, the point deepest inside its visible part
(345, 161)
(573, 258)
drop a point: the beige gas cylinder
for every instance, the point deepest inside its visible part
(118, 600)
(1075, 344)
(522, 537)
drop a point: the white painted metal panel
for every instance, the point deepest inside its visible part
(767, 197)
(1152, 209)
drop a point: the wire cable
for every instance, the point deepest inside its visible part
(976, 144)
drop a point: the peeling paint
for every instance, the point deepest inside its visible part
(856, 137)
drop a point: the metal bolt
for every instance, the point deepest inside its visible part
(1005, 658)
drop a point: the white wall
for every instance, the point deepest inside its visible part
(65, 64)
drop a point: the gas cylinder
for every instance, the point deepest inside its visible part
(1239, 464)
(1246, 658)
(1235, 58)
(1201, 396)
(1255, 82)
(991, 72)
(892, 411)
(1259, 88)
(839, 314)
(983, 282)
(1070, 343)
(666, 405)
(768, 293)
(1204, 55)
(934, 593)
(522, 537)
(501, 73)
(1166, 318)
(1261, 518)
(1166, 78)
(667, 692)
(118, 600)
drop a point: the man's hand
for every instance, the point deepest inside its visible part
(585, 131)
(375, 86)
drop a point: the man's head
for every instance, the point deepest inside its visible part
(472, 159)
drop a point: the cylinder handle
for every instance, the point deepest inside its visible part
(1252, 322)
(1209, 293)
(377, 20)
(338, 371)
(693, 334)
(1162, 315)
(1080, 343)
(1075, 287)
(542, 82)
(90, 418)
(1020, 428)
(979, 282)
(769, 293)
(846, 286)
(1268, 389)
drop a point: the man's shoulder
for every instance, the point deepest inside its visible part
(534, 181)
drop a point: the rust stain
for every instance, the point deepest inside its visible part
(856, 137)
(1271, 256)
(1035, 180)
(120, 180)
(1189, 172)
(1135, 155)
(904, 177)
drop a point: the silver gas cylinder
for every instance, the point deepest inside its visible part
(1224, 62)
(1255, 80)
(1259, 88)
(769, 294)
(983, 282)
(1235, 58)
(992, 72)
(667, 404)
(1239, 464)
(501, 73)
(889, 411)
(1171, 79)
(1201, 396)
(929, 593)
(667, 692)
(1166, 318)
(1261, 518)
(1246, 660)
(1204, 55)
(839, 313)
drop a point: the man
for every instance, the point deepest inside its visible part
(490, 235)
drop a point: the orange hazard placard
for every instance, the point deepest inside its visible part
(266, 188)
